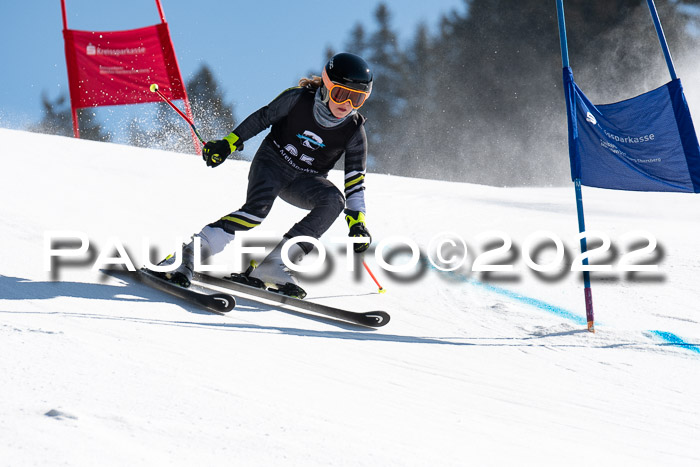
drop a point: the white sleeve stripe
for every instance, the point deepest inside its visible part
(353, 174)
(248, 216)
(353, 191)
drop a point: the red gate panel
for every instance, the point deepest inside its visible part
(117, 67)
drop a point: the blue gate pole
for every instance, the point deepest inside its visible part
(562, 34)
(588, 295)
(662, 38)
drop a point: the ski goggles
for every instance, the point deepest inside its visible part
(341, 94)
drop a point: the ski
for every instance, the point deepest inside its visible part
(214, 301)
(373, 319)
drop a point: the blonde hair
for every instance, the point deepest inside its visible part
(314, 82)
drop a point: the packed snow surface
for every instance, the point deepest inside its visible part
(475, 368)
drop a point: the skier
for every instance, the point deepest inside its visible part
(313, 125)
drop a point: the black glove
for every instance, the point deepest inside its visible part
(215, 153)
(356, 222)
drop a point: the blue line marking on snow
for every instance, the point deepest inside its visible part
(673, 339)
(665, 336)
(570, 315)
(578, 319)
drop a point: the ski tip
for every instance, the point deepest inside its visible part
(225, 301)
(376, 319)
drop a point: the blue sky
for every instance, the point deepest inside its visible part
(256, 49)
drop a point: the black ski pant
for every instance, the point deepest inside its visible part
(271, 177)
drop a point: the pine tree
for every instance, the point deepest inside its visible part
(57, 117)
(57, 120)
(415, 145)
(383, 110)
(214, 117)
(358, 42)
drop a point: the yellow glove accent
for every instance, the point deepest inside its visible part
(352, 221)
(232, 138)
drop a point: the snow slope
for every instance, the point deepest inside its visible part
(473, 369)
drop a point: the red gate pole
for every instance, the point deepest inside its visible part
(160, 11)
(381, 289)
(76, 129)
(74, 112)
(186, 99)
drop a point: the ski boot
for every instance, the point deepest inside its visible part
(272, 274)
(182, 275)
(212, 241)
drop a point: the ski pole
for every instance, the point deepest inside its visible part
(154, 88)
(381, 289)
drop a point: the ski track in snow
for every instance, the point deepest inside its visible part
(473, 369)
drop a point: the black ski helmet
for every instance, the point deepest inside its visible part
(350, 70)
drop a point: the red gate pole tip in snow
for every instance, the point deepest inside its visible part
(381, 289)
